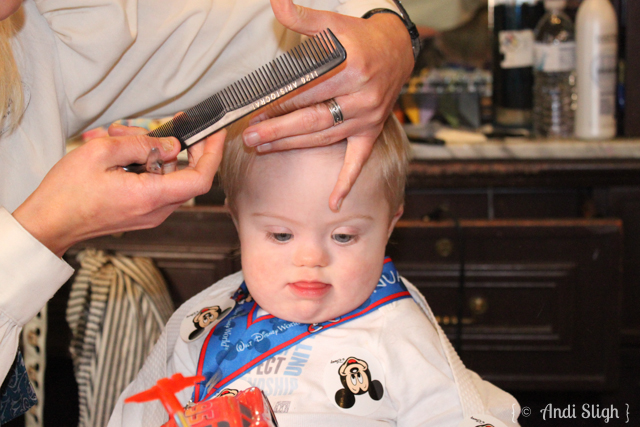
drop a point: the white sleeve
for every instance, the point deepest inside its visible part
(29, 276)
(499, 403)
(149, 58)
(358, 8)
(412, 350)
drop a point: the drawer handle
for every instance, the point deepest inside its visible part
(444, 247)
(453, 320)
(478, 305)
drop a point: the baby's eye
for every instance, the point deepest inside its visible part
(343, 238)
(281, 237)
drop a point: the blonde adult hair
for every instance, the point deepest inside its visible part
(390, 157)
(11, 98)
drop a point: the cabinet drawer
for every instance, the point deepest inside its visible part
(498, 203)
(504, 307)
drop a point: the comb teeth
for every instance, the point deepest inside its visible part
(191, 121)
(274, 77)
(284, 74)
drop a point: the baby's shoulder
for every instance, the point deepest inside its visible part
(405, 319)
(405, 310)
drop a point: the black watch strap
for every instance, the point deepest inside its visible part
(404, 16)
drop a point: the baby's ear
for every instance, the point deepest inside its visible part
(394, 220)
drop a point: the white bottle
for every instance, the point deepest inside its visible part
(596, 61)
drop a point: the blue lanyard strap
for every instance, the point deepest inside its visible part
(241, 341)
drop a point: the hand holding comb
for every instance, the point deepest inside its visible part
(288, 72)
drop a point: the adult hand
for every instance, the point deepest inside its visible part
(379, 61)
(88, 194)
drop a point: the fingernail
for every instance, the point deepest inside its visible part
(167, 144)
(116, 124)
(254, 121)
(339, 204)
(264, 148)
(252, 138)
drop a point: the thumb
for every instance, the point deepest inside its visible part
(301, 19)
(141, 144)
(124, 150)
(166, 146)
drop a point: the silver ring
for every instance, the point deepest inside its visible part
(335, 111)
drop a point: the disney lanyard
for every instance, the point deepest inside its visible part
(241, 341)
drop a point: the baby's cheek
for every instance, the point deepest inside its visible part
(365, 271)
(262, 278)
(362, 279)
(257, 264)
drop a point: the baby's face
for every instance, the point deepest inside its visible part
(303, 262)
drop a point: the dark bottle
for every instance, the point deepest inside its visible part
(513, 24)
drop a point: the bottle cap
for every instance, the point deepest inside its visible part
(555, 4)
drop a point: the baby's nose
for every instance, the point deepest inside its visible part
(311, 254)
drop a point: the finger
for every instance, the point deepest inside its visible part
(212, 154)
(315, 92)
(195, 151)
(116, 129)
(316, 139)
(301, 19)
(124, 150)
(299, 122)
(358, 151)
(197, 180)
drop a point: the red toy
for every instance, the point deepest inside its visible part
(249, 408)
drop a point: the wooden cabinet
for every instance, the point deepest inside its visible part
(539, 299)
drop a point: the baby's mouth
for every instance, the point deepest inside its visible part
(310, 289)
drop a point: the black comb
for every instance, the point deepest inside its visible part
(288, 72)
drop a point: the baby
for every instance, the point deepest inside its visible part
(318, 318)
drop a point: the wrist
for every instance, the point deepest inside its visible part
(403, 17)
(43, 228)
(393, 30)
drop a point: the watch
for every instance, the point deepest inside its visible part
(406, 20)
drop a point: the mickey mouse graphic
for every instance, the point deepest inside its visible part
(203, 319)
(315, 327)
(240, 296)
(356, 380)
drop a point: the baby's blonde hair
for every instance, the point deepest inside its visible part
(390, 156)
(11, 98)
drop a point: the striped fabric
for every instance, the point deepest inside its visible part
(117, 309)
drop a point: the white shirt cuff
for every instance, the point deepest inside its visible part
(30, 273)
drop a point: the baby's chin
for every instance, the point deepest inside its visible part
(309, 315)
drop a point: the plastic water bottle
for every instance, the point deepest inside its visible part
(554, 97)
